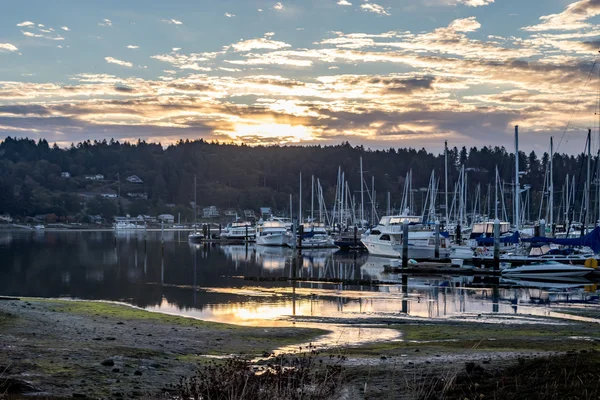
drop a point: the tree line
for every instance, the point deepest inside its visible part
(242, 177)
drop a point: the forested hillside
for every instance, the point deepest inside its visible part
(235, 177)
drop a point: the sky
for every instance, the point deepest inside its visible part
(381, 73)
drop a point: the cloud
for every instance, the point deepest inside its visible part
(229, 15)
(65, 28)
(172, 21)
(475, 3)
(469, 24)
(343, 3)
(260, 43)
(269, 34)
(7, 47)
(374, 8)
(112, 60)
(105, 22)
(43, 35)
(26, 23)
(572, 18)
(186, 61)
(278, 6)
(133, 46)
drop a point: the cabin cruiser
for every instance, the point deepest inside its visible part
(196, 237)
(239, 230)
(546, 269)
(315, 236)
(386, 239)
(273, 233)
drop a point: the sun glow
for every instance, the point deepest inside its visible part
(269, 132)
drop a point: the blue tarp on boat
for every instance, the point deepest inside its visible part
(592, 240)
(489, 241)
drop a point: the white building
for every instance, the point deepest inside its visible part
(97, 177)
(65, 174)
(210, 212)
(109, 195)
(166, 218)
(265, 212)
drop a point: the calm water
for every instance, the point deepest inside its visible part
(221, 283)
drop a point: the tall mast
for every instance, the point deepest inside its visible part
(588, 183)
(496, 195)
(195, 205)
(373, 199)
(551, 185)
(300, 202)
(446, 179)
(362, 197)
(312, 199)
(517, 185)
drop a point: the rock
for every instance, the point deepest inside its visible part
(137, 372)
(383, 357)
(111, 338)
(97, 338)
(79, 396)
(108, 363)
(266, 354)
(120, 323)
(116, 370)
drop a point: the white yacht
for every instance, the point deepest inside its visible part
(273, 233)
(386, 239)
(239, 230)
(316, 237)
(546, 269)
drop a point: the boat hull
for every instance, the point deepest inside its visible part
(273, 240)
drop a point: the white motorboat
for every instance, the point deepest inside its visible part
(273, 233)
(239, 230)
(386, 239)
(196, 237)
(546, 269)
(315, 236)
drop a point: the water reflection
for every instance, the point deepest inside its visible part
(250, 284)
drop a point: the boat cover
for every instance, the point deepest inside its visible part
(592, 240)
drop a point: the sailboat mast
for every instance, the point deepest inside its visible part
(362, 196)
(312, 199)
(588, 183)
(551, 186)
(300, 202)
(446, 180)
(496, 195)
(195, 204)
(517, 185)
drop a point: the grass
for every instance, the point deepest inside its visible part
(460, 337)
(7, 318)
(571, 376)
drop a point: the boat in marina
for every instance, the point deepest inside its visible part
(315, 236)
(386, 239)
(239, 231)
(273, 233)
(546, 269)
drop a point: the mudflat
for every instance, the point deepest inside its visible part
(68, 349)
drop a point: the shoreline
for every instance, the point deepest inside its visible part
(99, 349)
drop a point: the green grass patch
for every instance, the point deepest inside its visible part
(7, 318)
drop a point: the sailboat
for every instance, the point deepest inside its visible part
(195, 236)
